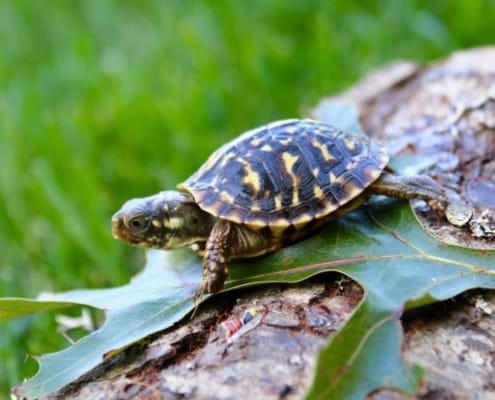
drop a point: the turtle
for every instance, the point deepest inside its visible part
(268, 188)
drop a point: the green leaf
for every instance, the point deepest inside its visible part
(384, 249)
(154, 300)
(363, 356)
(16, 307)
(404, 268)
(173, 276)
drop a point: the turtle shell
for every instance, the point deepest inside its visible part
(286, 173)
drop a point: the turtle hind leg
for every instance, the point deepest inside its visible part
(440, 199)
(409, 187)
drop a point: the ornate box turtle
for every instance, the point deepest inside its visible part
(269, 187)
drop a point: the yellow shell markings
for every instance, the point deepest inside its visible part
(373, 174)
(285, 142)
(278, 227)
(289, 160)
(227, 157)
(251, 177)
(256, 142)
(267, 148)
(256, 224)
(350, 144)
(278, 201)
(227, 197)
(300, 221)
(318, 192)
(352, 191)
(323, 149)
(255, 207)
(350, 165)
(291, 130)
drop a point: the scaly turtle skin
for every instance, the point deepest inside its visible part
(269, 187)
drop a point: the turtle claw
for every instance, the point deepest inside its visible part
(459, 213)
(198, 296)
(212, 282)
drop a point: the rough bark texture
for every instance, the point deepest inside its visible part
(453, 341)
(275, 359)
(445, 111)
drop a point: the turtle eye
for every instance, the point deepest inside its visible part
(137, 223)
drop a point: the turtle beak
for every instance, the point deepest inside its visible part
(117, 225)
(121, 232)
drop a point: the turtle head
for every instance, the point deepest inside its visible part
(166, 220)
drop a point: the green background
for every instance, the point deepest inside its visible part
(102, 101)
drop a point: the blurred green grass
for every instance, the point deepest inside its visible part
(101, 101)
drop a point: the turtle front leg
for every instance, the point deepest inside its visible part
(217, 256)
(226, 241)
